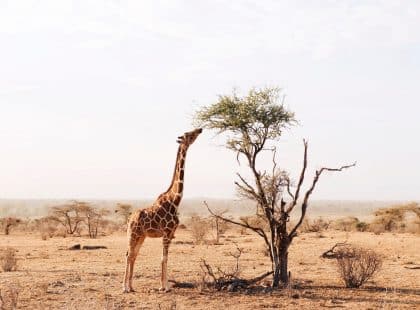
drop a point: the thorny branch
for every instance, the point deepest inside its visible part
(257, 230)
(310, 190)
(229, 280)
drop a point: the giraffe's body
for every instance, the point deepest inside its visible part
(161, 219)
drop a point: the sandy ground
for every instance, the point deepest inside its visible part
(51, 277)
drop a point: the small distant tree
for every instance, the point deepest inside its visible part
(252, 124)
(8, 223)
(219, 225)
(68, 215)
(124, 210)
(92, 217)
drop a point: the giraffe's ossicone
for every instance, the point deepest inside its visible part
(161, 219)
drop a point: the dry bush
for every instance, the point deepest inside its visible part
(413, 227)
(317, 225)
(399, 218)
(9, 297)
(8, 259)
(362, 226)
(200, 227)
(61, 232)
(227, 279)
(108, 227)
(46, 227)
(389, 219)
(218, 278)
(346, 224)
(8, 222)
(376, 228)
(357, 265)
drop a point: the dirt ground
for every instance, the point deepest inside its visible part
(51, 277)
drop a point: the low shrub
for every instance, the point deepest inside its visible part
(362, 226)
(317, 225)
(8, 259)
(357, 265)
(9, 296)
(200, 227)
(346, 224)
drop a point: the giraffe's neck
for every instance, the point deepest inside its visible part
(176, 188)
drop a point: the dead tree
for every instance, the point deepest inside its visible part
(270, 193)
(253, 123)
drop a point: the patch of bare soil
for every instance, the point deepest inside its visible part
(49, 276)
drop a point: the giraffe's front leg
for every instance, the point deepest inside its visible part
(164, 277)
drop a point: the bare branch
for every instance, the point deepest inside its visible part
(301, 178)
(288, 188)
(329, 254)
(309, 192)
(257, 230)
(247, 188)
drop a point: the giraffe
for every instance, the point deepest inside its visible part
(159, 220)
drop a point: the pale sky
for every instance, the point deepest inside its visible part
(94, 93)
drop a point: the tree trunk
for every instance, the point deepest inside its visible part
(7, 229)
(280, 264)
(276, 267)
(276, 276)
(284, 273)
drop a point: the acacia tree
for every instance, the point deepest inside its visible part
(252, 124)
(69, 215)
(124, 210)
(93, 217)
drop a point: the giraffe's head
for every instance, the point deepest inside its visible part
(188, 138)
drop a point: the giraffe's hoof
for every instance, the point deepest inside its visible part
(164, 289)
(128, 290)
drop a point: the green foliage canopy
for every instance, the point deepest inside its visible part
(249, 120)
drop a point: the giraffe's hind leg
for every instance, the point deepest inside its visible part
(134, 245)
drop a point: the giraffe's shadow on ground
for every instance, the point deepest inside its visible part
(320, 293)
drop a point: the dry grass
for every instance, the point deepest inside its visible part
(8, 259)
(52, 277)
(9, 297)
(348, 223)
(318, 225)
